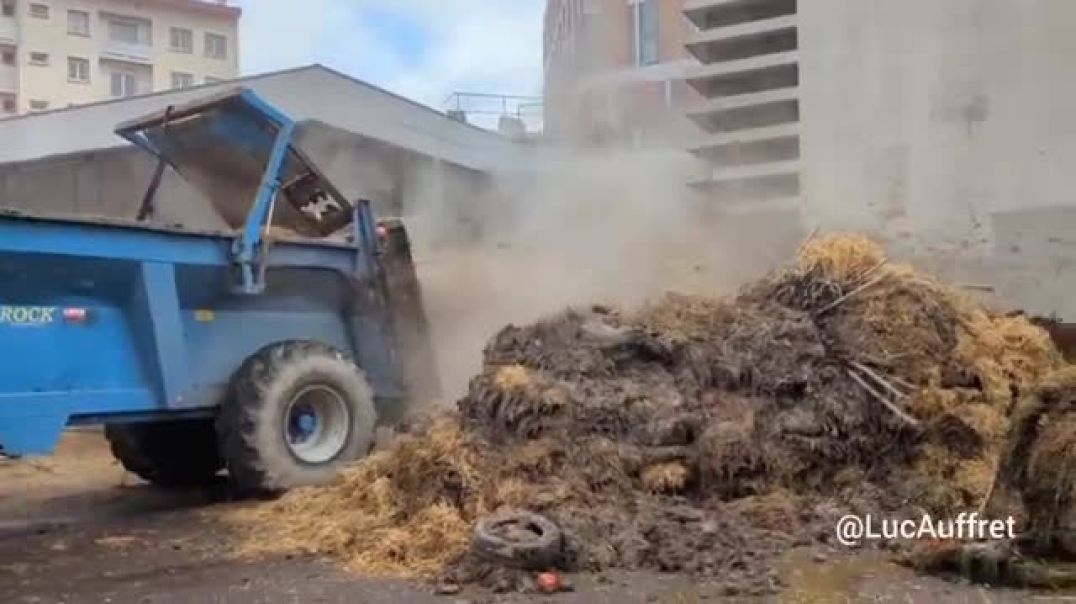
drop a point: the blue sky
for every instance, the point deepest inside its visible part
(422, 49)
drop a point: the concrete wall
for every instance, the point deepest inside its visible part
(102, 184)
(442, 201)
(921, 117)
(1035, 259)
(445, 205)
(358, 167)
(760, 236)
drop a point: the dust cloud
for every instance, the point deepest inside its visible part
(579, 227)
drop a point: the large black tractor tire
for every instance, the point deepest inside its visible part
(298, 412)
(171, 454)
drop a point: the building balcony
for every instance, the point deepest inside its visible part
(757, 182)
(707, 14)
(755, 146)
(9, 31)
(127, 52)
(744, 40)
(745, 76)
(700, 111)
(9, 79)
(770, 110)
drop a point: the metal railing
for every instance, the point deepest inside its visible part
(487, 110)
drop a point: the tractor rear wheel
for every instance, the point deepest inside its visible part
(298, 412)
(177, 453)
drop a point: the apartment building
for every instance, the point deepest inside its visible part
(749, 75)
(615, 70)
(60, 53)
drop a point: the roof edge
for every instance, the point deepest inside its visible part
(203, 6)
(235, 82)
(400, 97)
(241, 81)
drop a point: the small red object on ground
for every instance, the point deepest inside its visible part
(548, 582)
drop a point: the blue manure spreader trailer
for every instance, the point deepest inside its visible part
(269, 356)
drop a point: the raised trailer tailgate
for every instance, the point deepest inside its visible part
(223, 145)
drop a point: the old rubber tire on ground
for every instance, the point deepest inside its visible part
(178, 453)
(519, 539)
(298, 412)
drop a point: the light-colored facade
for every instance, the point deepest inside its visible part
(59, 53)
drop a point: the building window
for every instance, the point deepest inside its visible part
(7, 8)
(216, 46)
(129, 31)
(7, 56)
(182, 80)
(78, 23)
(39, 11)
(78, 70)
(39, 105)
(39, 58)
(8, 104)
(645, 27)
(123, 84)
(181, 40)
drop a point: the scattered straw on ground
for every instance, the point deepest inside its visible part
(668, 477)
(407, 510)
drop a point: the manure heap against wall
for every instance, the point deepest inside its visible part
(697, 435)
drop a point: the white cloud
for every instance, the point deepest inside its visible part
(491, 46)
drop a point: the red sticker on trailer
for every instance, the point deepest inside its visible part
(75, 315)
